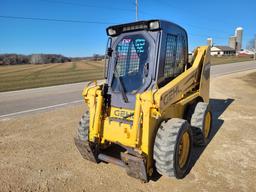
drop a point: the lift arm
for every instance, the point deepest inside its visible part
(189, 82)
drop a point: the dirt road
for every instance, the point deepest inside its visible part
(37, 152)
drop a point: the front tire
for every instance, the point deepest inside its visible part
(87, 149)
(83, 128)
(172, 148)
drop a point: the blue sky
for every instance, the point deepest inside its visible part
(201, 19)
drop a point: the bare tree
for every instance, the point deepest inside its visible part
(251, 44)
(96, 57)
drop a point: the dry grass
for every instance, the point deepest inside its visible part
(229, 59)
(31, 76)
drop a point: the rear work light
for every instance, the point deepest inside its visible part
(154, 25)
(111, 31)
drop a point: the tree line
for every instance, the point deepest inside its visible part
(16, 59)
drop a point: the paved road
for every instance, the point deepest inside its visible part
(220, 70)
(32, 100)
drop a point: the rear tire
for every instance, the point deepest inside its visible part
(201, 122)
(172, 148)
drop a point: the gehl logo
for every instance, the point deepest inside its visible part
(120, 113)
(171, 94)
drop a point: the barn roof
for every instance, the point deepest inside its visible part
(224, 48)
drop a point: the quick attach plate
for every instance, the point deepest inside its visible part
(87, 150)
(135, 166)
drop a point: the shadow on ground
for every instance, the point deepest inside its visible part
(218, 107)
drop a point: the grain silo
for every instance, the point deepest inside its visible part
(209, 42)
(239, 38)
(232, 42)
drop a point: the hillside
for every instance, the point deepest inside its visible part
(40, 75)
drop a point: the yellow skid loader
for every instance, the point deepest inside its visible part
(153, 104)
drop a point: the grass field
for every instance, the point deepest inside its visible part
(17, 77)
(29, 76)
(229, 59)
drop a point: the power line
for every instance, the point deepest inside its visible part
(55, 20)
(85, 5)
(83, 22)
(136, 3)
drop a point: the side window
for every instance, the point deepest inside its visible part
(169, 65)
(180, 56)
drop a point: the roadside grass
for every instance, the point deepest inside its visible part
(31, 76)
(229, 59)
(18, 77)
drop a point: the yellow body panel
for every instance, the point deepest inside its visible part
(119, 132)
(151, 108)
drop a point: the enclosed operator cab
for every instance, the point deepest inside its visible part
(143, 55)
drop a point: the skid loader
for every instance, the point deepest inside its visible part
(153, 104)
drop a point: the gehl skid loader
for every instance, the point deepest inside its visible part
(153, 104)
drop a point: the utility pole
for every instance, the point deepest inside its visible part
(136, 10)
(255, 48)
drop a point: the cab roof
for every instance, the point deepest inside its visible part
(143, 25)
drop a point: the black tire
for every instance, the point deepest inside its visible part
(198, 124)
(189, 112)
(166, 148)
(83, 128)
(87, 149)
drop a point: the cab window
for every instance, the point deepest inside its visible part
(174, 62)
(132, 54)
(170, 56)
(180, 56)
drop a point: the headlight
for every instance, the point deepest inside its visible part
(154, 25)
(111, 31)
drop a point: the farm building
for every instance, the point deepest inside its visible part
(222, 50)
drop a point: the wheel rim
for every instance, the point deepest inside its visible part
(207, 124)
(184, 149)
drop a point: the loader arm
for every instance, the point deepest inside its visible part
(187, 84)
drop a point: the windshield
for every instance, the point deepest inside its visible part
(131, 57)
